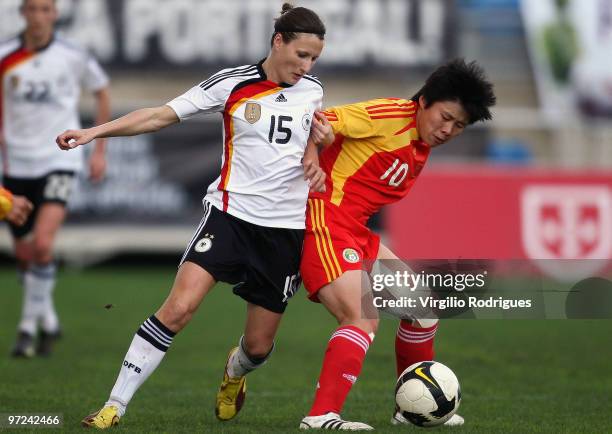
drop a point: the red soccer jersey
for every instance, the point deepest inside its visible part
(375, 158)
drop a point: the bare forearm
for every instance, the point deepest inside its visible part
(141, 121)
(311, 153)
(330, 137)
(137, 122)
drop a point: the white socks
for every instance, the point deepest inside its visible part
(146, 351)
(38, 284)
(241, 363)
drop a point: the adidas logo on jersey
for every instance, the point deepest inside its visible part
(281, 98)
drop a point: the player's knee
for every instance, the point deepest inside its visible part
(43, 250)
(176, 315)
(23, 258)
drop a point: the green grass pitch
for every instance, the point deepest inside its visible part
(517, 376)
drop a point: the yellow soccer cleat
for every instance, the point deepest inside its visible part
(231, 394)
(106, 418)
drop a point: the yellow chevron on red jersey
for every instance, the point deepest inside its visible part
(376, 155)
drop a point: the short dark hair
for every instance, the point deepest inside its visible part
(295, 20)
(462, 82)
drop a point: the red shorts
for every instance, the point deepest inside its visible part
(334, 243)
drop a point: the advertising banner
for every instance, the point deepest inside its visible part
(197, 33)
(559, 220)
(570, 42)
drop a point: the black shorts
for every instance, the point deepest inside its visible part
(263, 262)
(54, 187)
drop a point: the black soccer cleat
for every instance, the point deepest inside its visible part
(24, 346)
(46, 342)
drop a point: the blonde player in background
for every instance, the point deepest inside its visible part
(41, 79)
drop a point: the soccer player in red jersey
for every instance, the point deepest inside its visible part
(375, 151)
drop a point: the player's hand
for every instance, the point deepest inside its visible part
(315, 176)
(321, 132)
(22, 208)
(97, 166)
(72, 138)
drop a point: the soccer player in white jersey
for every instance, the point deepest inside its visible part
(256, 206)
(41, 77)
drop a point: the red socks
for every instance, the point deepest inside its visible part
(413, 344)
(344, 358)
(341, 367)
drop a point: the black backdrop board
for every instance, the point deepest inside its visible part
(362, 34)
(153, 178)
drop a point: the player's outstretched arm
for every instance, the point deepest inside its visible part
(141, 121)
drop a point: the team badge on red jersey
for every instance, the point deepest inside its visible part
(351, 256)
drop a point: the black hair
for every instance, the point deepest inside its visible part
(295, 20)
(462, 82)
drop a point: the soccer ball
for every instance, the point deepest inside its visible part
(427, 393)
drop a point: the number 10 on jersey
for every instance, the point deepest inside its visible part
(399, 173)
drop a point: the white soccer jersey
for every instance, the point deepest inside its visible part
(39, 97)
(265, 131)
